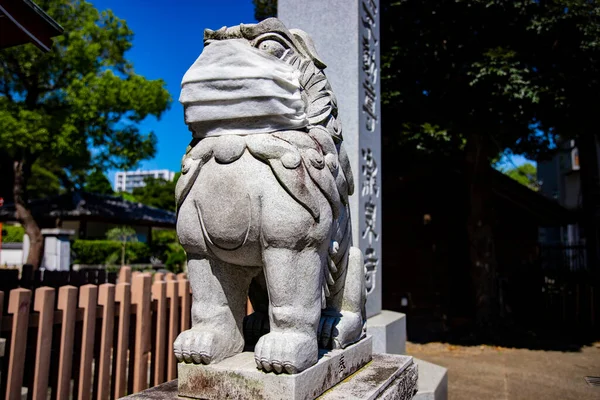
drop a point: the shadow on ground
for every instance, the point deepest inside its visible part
(562, 337)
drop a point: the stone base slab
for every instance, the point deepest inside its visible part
(433, 381)
(238, 378)
(388, 329)
(386, 377)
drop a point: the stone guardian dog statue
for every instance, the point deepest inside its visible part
(263, 203)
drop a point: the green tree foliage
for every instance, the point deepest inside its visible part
(97, 182)
(43, 183)
(13, 233)
(475, 78)
(127, 196)
(123, 235)
(166, 247)
(512, 75)
(76, 106)
(525, 174)
(108, 251)
(158, 193)
(264, 9)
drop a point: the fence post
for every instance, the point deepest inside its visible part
(123, 296)
(88, 295)
(44, 304)
(67, 303)
(159, 294)
(186, 304)
(106, 298)
(125, 275)
(18, 306)
(141, 295)
(173, 296)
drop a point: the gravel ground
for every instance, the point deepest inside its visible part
(489, 372)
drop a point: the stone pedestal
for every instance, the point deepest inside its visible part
(238, 377)
(388, 329)
(386, 377)
(433, 381)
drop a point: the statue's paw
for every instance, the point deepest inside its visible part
(282, 351)
(337, 331)
(201, 347)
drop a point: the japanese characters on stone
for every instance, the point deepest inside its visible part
(370, 196)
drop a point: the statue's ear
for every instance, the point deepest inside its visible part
(308, 46)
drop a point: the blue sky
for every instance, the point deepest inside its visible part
(168, 38)
(511, 161)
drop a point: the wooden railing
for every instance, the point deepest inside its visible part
(93, 342)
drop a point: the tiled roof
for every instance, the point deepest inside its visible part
(81, 205)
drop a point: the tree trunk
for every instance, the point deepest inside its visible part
(590, 191)
(480, 231)
(24, 216)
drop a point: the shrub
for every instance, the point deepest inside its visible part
(105, 251)
(14, 234)
(138, 252)
(166, 247)
(161, 240)
(176, 258)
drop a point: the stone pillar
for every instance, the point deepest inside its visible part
(57, 249)
(346, 35)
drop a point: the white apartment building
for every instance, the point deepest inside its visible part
(126, 181)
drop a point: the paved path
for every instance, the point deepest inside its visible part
(490, 373)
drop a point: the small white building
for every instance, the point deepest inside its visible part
(11, 254)
(126, 181)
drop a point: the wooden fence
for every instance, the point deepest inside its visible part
(93, 342)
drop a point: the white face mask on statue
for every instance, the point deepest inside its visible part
(233, 88)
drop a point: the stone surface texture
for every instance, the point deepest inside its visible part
(238, 377)
(433, 381)
(348, 43)
(263, 203)
(385, 377)
(388, 330)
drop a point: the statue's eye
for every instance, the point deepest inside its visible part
(272, 47)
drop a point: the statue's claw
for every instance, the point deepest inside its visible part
(200, 347)
(340, 330)
(326, 332)
(282, 351)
